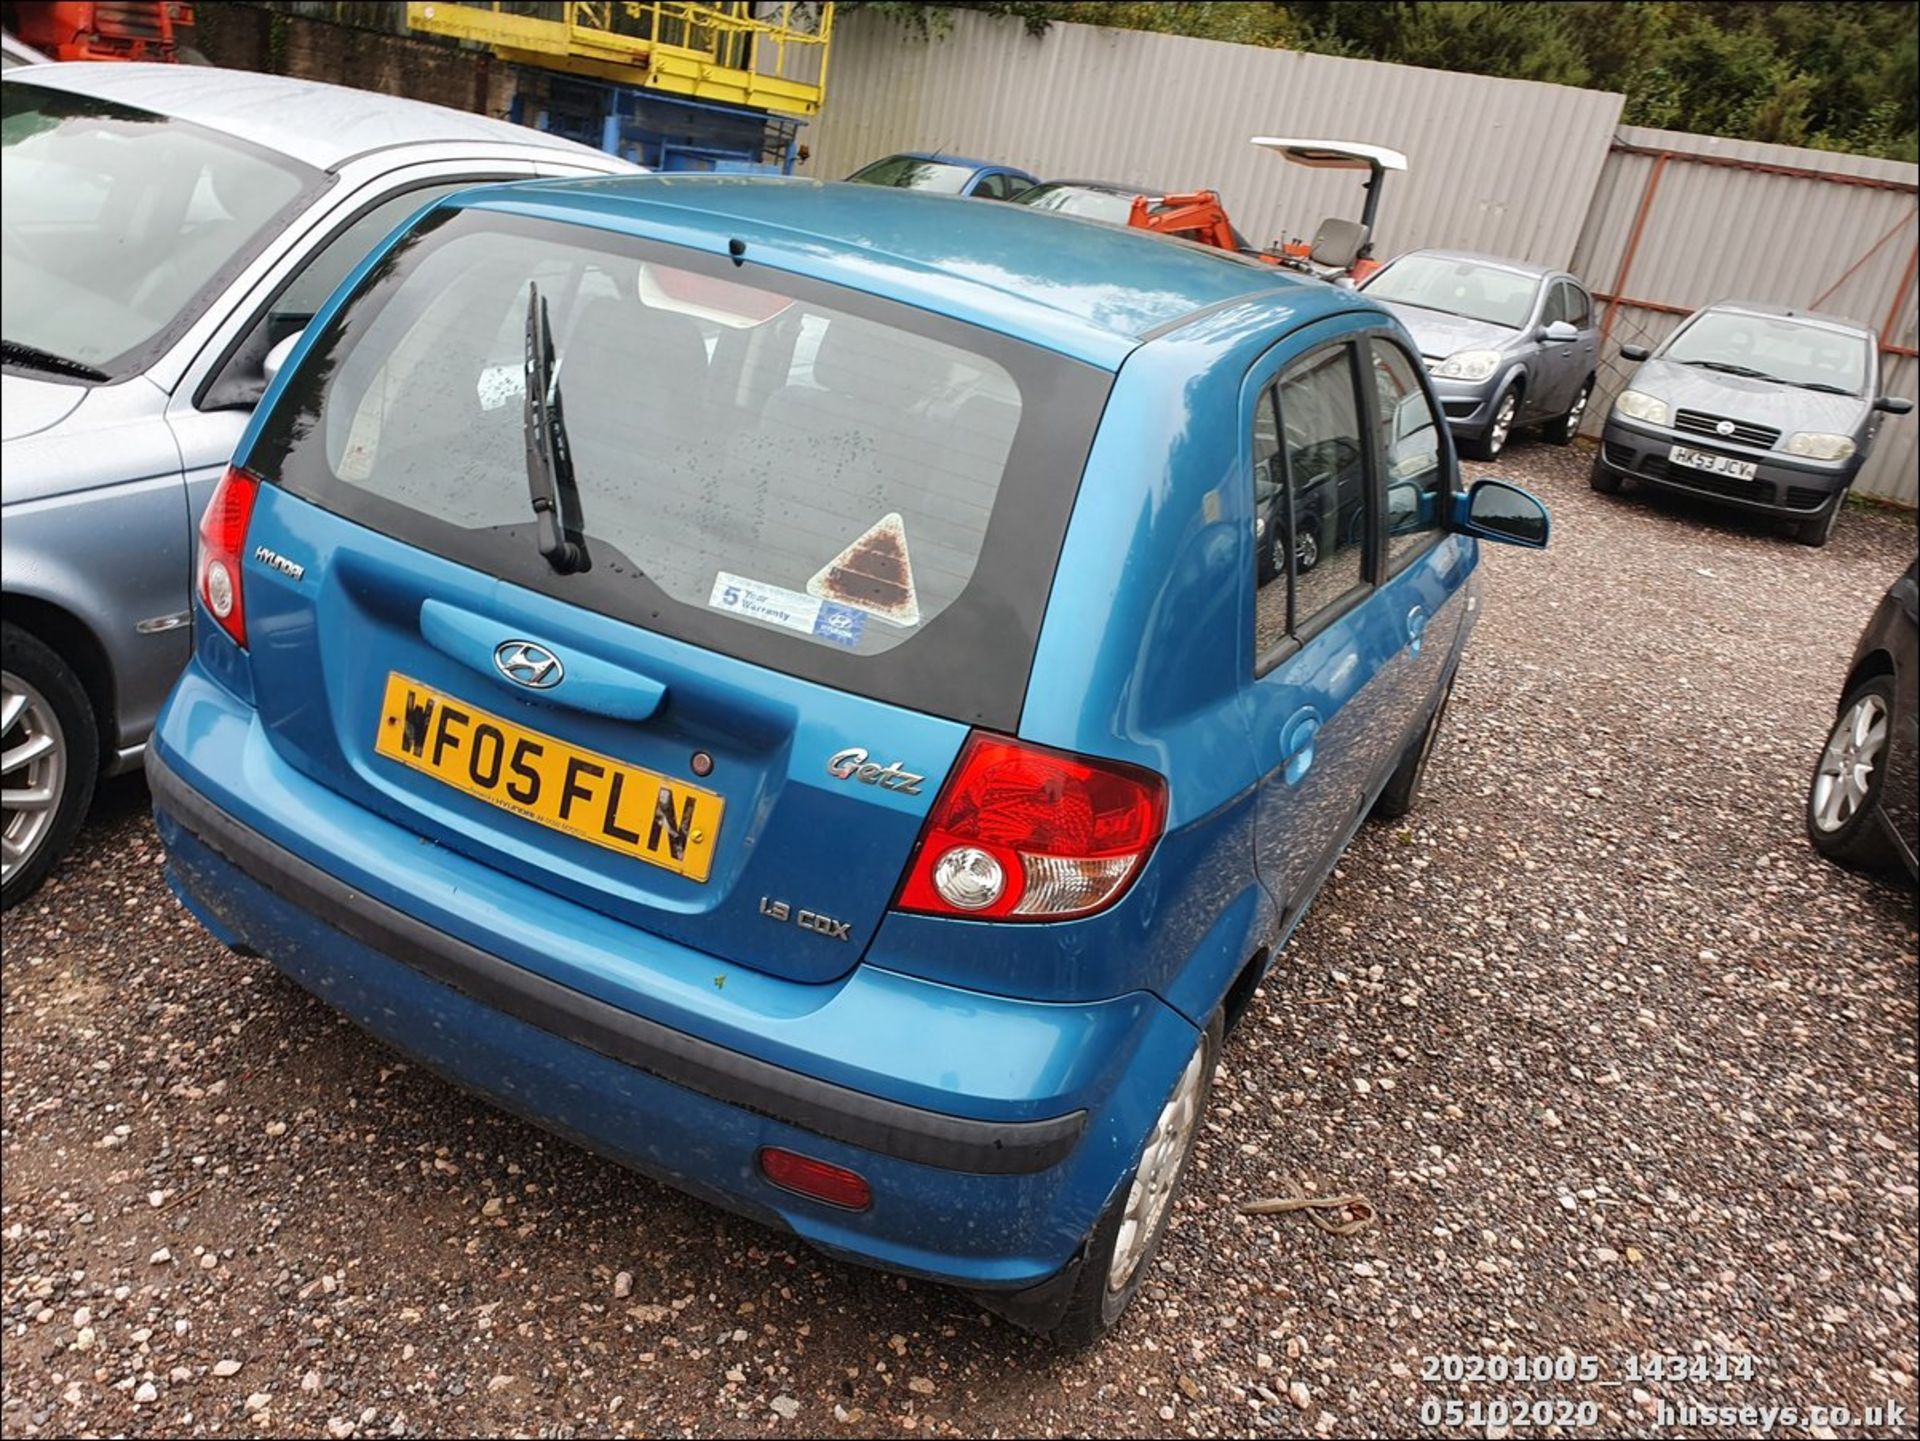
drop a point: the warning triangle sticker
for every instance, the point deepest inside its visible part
(874, 574)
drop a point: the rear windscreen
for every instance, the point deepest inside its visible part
(849, 489)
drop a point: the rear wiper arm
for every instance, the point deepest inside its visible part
(35, 358)
(550, 483)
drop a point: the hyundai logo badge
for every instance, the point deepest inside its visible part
(527, 664)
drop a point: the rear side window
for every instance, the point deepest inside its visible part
(1324, 445)
(851, 490)
(1410, 453)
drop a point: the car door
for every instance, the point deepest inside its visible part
(1585, 352)
(1320, 646)
(1551, 388)
(210, 407)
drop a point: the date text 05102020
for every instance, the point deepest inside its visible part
(1632, 1368)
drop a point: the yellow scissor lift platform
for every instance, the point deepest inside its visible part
(763, 57)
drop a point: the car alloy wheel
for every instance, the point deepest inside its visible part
(1844, 778)
(1502, 425)
(1578, 410)
(1159, 1169)
(33, 771)
(1306, 552)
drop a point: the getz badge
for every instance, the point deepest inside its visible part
(807, 920)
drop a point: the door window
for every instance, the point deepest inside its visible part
(1410, 455)
(1579, 306)
(996, 186)
(240, 380)
(1271, 528)
(1556, 306)
(1323, 445)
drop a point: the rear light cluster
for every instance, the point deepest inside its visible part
(1022, 833)
(223, 537)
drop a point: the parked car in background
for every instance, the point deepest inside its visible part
(946, 174)
(168, 231)
(1103, 200)
(786, 775)
(1760, 407)
(1508, 345)
(1863, 806)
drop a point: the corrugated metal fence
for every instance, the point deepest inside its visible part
(1504, 166)
(1538, 172)
(1680, 220)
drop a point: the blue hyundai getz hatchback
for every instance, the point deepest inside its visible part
(828, 695)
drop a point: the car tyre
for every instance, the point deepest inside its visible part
(1843, 799)
(1818, 530)
(1136, 1218)
(1563, 430)
(1506, 415)
(49, 760)
(1402, 790)
(1603, 477)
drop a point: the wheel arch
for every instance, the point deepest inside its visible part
(1877, 662)
(73, 640)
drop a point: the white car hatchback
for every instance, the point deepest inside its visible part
(168, 231)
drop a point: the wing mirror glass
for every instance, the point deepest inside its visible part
(277, 357)
(1495, 510)
(1893, 404)
(1634, 352)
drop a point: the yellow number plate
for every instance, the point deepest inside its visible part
(636, 812)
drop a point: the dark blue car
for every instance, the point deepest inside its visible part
(778, 682)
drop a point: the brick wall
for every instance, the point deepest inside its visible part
(250, 37)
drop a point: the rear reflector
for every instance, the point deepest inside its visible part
(816, 1180)
(1023, 833)
(223, 537)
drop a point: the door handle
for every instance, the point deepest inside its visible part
(1416, 628)
(1296, 744)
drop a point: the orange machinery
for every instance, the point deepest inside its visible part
(1340, 247)
(108, 30)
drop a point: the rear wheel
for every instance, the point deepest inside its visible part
(1506, 412)
(1843, 802)
(49, 756)
(1126, 1237)
(1402, 791)
(1563, 430)
(1818, 530)
(1603, 477)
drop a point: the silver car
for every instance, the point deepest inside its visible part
(168, 231)
(1506, 344)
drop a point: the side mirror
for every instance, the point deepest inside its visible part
(1559, 332)
(1635, 352)
(1405, 503)
(1495, 510)
(277, 357)
(1894, 404)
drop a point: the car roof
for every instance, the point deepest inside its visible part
(941, 157)
(1498, 262)
(320, 124)
(1790, 312)
(1094, 292)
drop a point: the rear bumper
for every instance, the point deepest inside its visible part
(1779, 486)
(994, 1189)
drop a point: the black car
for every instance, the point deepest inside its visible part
(1755, 406)
(1861, 807)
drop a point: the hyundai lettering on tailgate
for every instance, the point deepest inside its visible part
(594, 797)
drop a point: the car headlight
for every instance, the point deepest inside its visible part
(1818, 445)
(1468, 365)
(1638, 405)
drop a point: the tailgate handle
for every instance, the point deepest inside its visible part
(584, 682)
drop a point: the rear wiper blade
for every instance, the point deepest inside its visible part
(35, 358)
(550, 483)
(1747, 370)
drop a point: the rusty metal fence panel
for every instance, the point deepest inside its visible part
(1680, 220)
(1504, 166)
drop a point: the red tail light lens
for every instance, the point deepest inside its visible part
(223, 537)
(835, 1185)
(1022, 833)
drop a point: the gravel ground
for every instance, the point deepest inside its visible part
(1623, 1065)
